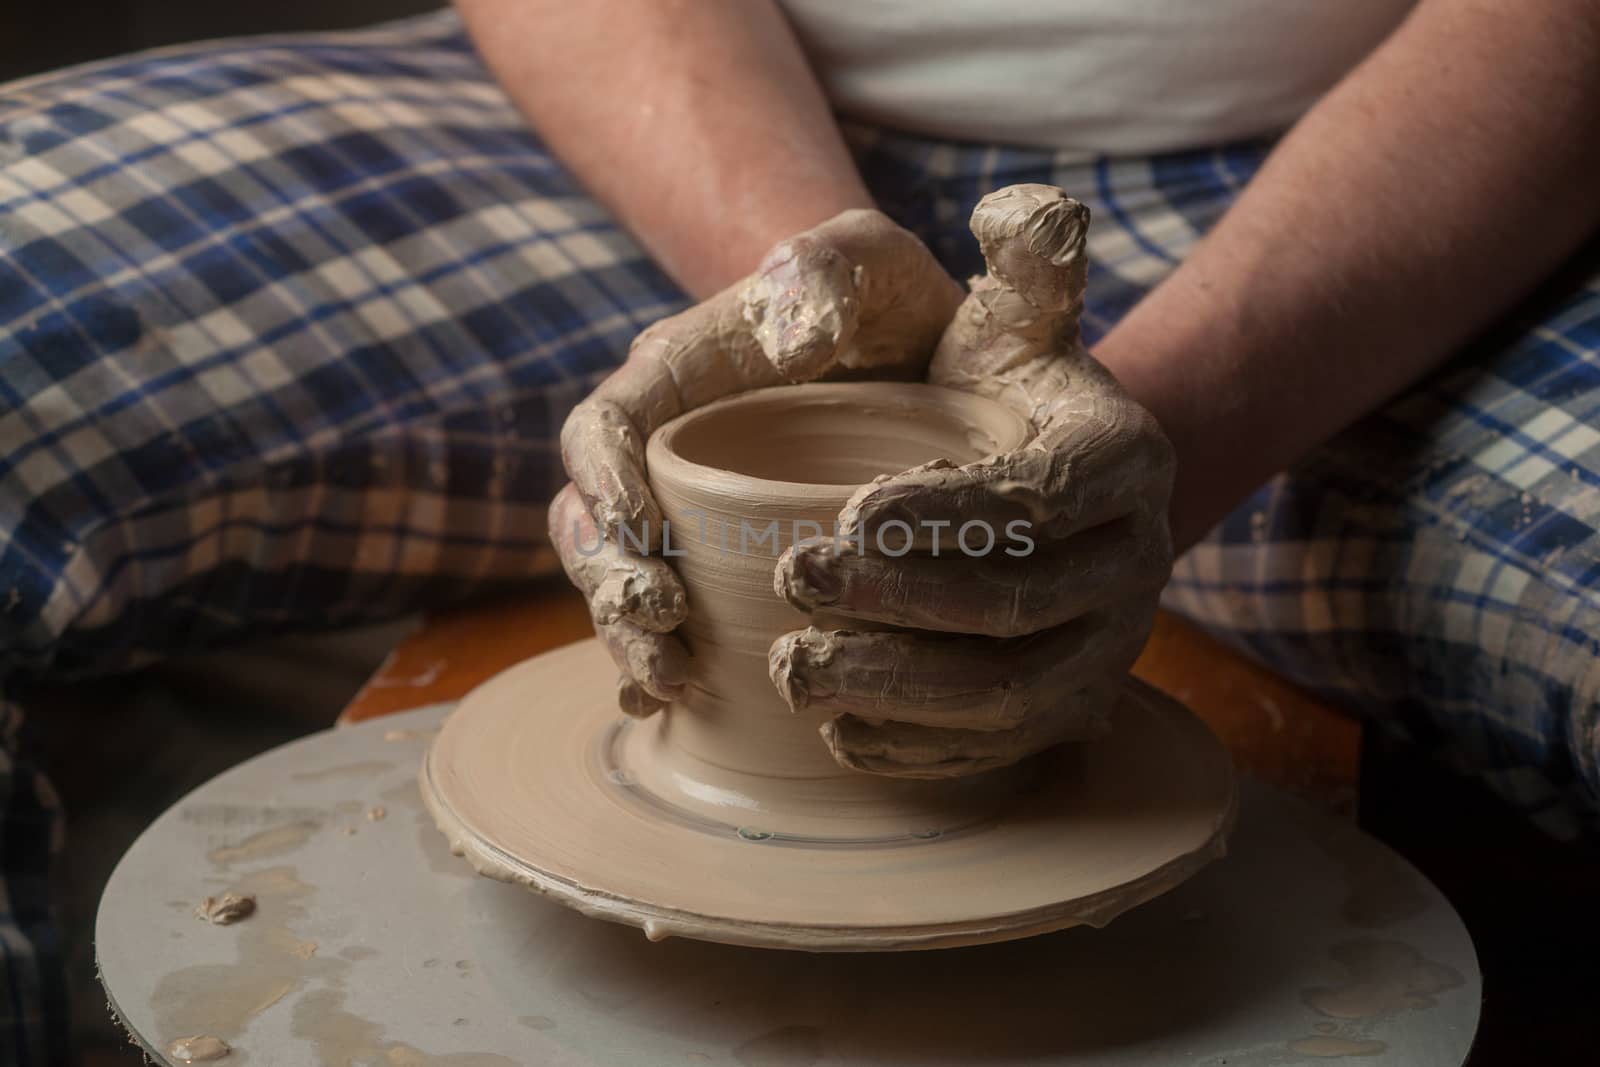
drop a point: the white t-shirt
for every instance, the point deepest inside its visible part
(1090, 76)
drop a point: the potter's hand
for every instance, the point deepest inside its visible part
(855, 294)
(1001, 656)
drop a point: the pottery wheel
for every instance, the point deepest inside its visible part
(537, 779)
(372, 944)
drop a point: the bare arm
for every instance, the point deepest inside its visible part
(1413, 205)
(697, 122)
(700, 125)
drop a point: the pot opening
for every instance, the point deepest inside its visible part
(798, 436)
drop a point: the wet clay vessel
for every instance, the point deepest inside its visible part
(725, 818)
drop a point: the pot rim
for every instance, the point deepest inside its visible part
(662, 455)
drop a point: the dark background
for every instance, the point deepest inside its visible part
(38, 35)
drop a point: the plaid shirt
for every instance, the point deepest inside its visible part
(287, 329)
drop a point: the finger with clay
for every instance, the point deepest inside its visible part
(856, 295)
(1046, 636)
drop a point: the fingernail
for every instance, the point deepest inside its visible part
(659, 666)
(835, 734)
(830, 737)
(811, 578)
(799, 665)
(634, 701)
(875, 509)
(784, 664)
(819, 571)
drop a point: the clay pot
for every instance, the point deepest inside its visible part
(725, 817)
(739, 481)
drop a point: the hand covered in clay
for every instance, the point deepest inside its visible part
(856, 295)
(994, 658)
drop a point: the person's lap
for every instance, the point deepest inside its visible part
(287, 330)
(286, 334)
(1436, 567)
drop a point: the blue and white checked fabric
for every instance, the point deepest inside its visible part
(287, 329)
(1438, 566)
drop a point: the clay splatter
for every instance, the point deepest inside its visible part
(1384, 977)
(342, 1037)
(198, 1049)
(220, 999)
(227, 909)
(1331, 1047)
(273, 842)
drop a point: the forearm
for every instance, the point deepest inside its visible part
(1412, 206)
(698, 123)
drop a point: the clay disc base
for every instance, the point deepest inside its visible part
(525, 783)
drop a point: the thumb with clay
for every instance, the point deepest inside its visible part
(991, 656)
(857, 295)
